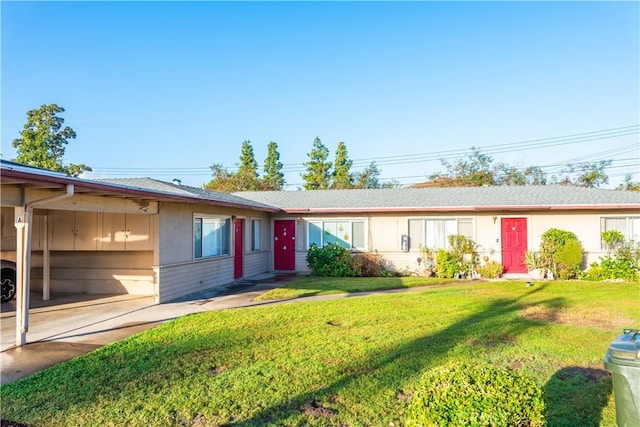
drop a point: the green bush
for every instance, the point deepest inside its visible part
(624, 265)
(491, 270)
(612, 239)
(475, 395)
(561, 252)
(332, 260)
(370, 264)
(569, 260)
(446, 265)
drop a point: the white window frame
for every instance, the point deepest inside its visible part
(256, 235)
(424, 238)
(223, 242)
(350, 221)
(631, 231)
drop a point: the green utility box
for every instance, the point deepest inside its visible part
(623, 361)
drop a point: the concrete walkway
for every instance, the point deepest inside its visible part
(71, 325)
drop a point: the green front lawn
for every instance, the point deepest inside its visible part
(350, 361)
(307, 286)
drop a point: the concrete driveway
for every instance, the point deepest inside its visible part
(70, 325)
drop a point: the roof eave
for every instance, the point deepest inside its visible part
(116, 190)
(456, 209)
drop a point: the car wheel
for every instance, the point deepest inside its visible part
(8, 282)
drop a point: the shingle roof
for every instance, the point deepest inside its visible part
(187, 191)
(458, 198)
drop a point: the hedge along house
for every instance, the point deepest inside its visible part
(137, 236)
(396, 223)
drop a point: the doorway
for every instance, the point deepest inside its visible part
(284, 245)
(514, 244)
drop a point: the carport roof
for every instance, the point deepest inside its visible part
(131, 188)
(503, 198)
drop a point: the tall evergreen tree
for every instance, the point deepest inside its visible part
(318, 176)
(273, 177)
(43, 139)
(245, 179)
(248, 165)
(342, 177)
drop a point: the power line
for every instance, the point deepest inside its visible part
(419, 157)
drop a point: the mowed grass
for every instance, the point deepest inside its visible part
(308, 286)
(350, 361)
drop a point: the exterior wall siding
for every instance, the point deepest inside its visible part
(256, 263)
(96, 272)
(176, 281)
(301, 262)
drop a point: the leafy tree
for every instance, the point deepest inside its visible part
(629, 184)
(318, 176)
(245, 179)
(591, 175)
(43, 139)
(370, 178)
(511, 175)
(342, 178)
(223, 180)
(273, 177)
(474, 170)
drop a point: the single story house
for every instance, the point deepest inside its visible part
(137, 236)
(145, 236)
(504, 221)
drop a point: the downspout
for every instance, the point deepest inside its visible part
(24, 217)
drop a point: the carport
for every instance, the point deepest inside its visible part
(75, 235)
(79, 226)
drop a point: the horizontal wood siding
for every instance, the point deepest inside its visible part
(184, 279)
(96, 272)
(256, 263)
(301, 262)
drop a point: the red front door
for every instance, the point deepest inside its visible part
(284, 244)
(514, 244)
(238, 251)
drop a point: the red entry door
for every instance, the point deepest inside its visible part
(284, 244)
(514, 244)
(238, 251)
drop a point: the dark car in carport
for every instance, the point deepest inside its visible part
(8, 280)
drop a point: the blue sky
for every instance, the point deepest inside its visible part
(167, 89)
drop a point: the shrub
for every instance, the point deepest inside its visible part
(460, 259)
(475, 395)
(332, 260)
(532, 260)
(370, 264)
(446, 265)
(624, 265)
(612, 239)
(560, 256)
(491, 270)
(569, 260)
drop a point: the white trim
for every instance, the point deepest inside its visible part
(230, 239)
(364, 221)
(474, 231)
